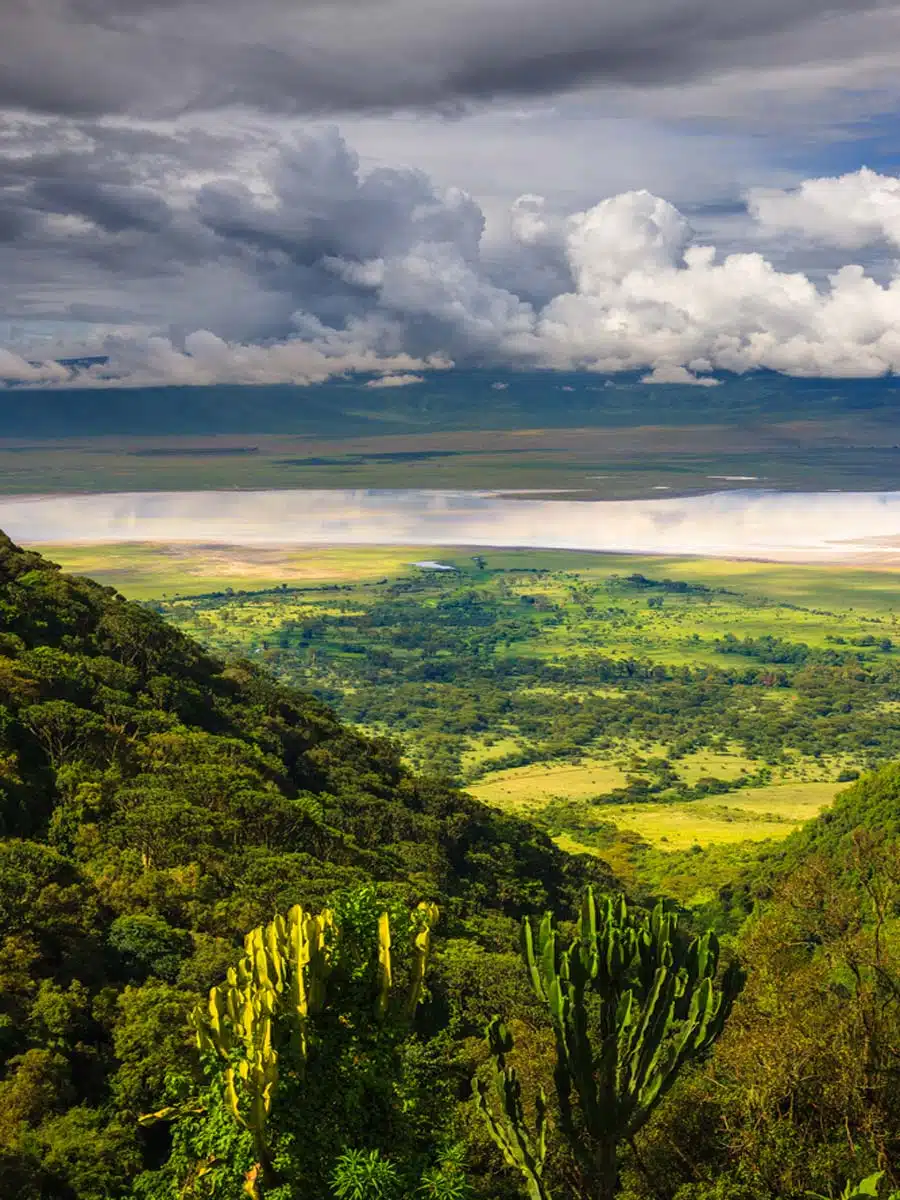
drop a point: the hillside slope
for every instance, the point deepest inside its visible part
(154, 805)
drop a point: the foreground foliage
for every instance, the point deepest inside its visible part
(311, 1029)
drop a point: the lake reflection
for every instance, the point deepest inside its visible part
(814, 526)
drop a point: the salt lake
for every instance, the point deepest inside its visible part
(813, 527)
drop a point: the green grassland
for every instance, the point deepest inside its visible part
(147, 570)
(641, 708)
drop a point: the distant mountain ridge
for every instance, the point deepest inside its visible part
(444, 401)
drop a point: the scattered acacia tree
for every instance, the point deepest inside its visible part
(631, 1002)
(309, 1028)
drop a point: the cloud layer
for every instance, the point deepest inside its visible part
(301, 265)
(94, 57)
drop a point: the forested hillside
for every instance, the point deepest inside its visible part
(157, 805)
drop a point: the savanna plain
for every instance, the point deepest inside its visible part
(676, 716)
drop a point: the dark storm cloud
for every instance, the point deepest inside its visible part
(116, 185)
(15, 221)
(82, 57)
(99, 227)
(325, 209)
(112, 208)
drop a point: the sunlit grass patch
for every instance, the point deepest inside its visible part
(716, 764)
(679, 826)
(482, 752)
(750, 814)
(534, 785)
(793, 801)
(144, 570)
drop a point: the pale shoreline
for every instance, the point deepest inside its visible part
(275, 553)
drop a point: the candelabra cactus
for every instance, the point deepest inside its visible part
(507, 1125)
(630, 1002)
(424, 916)
(424, 919)
(283, 973)
(278, 986)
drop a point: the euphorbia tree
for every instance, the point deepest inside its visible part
(631, 1002)
(307, 1030)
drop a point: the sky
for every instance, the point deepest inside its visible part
(285, 190)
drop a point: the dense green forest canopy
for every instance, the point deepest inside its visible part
(158, 803)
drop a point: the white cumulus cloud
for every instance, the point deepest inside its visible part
(208, 359)
(678, 375)
(394, 381)
(645, 296)
(15, 369)
(854, 210)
